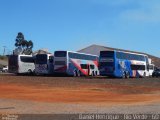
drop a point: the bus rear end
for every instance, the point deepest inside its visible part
(60, 62)
(41, 66)
(107, 63)
(13, 64)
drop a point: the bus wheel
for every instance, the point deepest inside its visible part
(78, 73)
(75, 73)
(92, 73)
(96, 73)
(144, 75)
(29, 71)
(123, 75)
(127, 75)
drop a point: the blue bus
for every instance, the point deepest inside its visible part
(123, 64)
(75, 63)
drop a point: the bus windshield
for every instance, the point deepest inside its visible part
(107, 54)
(41, 59)
(60, 54)
(107, 64)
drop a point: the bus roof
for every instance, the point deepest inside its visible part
(21, 55)
(126, 52)
(77, 52)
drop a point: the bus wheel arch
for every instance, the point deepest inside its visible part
(76, 73)
(30, 71)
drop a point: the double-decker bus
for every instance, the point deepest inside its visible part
(123, 64)
(21, 64)
(44, 64)
(75, 63)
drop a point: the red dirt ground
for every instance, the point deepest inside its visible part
(67, 90)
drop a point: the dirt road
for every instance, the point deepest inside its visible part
(69, 94)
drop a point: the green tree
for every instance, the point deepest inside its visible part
(25, 45)
(30, 44)
(19, 39)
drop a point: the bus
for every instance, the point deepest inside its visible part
(21, 64)
(44, 64)
(123, 64)
(75, 63)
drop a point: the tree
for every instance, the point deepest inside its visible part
(19, 39)
(24, 45)
(30, 44)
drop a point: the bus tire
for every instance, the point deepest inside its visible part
(127, 75)
(78, 73)
(123, 75)
(29, 71)
(92, 74)
(144, 75)
(75, 73)
(96, 73)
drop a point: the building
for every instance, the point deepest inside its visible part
(95, 49)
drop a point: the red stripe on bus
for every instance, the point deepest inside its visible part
(79, 67)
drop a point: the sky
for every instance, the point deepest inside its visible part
(75, 24)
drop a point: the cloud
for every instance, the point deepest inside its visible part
(146, 12)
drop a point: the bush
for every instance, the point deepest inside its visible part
(3, 57)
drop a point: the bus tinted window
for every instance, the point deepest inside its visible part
(60, 54)
(92, 66)
(84, 66)
(26, 59)
(106, 53)
(51, 59)
(106, 64)
(128, 56)
(41, 59)
(60, 63)
(82, 56)
(138, 67)
(151, 67)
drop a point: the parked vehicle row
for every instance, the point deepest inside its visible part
(110, 63)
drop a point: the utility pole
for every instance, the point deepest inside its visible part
(4, 50)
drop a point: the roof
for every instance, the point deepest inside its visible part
(95, 49)
(41, 51)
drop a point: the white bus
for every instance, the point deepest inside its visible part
(44, 64)
(75, 63)
(21, 64)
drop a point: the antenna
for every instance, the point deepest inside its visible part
(4, 50)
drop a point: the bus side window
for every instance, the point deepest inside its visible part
(92, 66)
